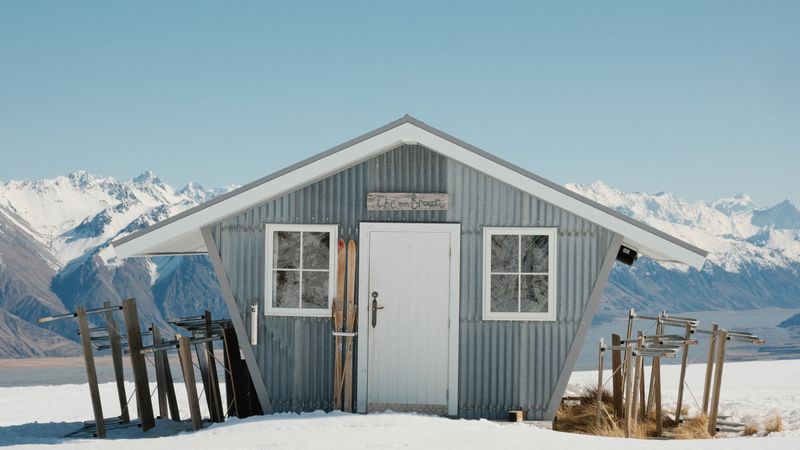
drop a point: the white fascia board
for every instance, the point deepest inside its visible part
(183, 236)
(644, 241)
(182, 230)
(185, 243)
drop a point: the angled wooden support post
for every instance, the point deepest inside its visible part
(161, 376)
(640, 405)
(722, 339)
(657, 393)
(91, 372)
(174, 412)
(185, 354)
(712, 346)
(682, 377)
(616, 368)
(116, 359)
(230, 388)
(600, 358)
(638, 379)
(654, 365)
(212, 391)
(202, 367)
(138, 364)
(628, 389)
(628, 336)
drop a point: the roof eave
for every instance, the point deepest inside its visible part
(646, 239)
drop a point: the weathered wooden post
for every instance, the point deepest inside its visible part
(628, 388)
(91, 372)
(657, 392)
(600, 358)
(654, 365)
(631, 316)
(116, 358)
(174, 412)
(712, 344)
(722, 337)
(138, 364)
(616, 368)
(161, 378)
(638, 379)
(185, 354)
(682, 377)
(640, 408)
(212, 391)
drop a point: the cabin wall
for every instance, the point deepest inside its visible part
(502, 365)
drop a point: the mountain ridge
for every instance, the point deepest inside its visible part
(55, 255)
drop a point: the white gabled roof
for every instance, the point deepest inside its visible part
(180, 234)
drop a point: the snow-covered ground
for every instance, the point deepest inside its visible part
(38, 415)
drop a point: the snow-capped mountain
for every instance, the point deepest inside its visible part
(754, 258)
(72, 214)
(734, 230)
(55, 255)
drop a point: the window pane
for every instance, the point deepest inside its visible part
(534, 293)
(505, 250)
(286, 249)
(316, 249)
(315, 290)
(285, 289)
(534, 253)
(504, 293)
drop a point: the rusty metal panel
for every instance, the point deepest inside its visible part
(502, 365)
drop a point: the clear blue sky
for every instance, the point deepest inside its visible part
(697, 98)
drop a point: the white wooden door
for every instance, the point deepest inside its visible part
(410, 353)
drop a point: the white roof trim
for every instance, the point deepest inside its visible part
(181, 234)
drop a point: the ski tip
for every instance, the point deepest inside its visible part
(341, 244)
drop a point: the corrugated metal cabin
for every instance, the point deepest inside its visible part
(487, 275)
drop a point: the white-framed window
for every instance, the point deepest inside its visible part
(519, 273)
(301, 262)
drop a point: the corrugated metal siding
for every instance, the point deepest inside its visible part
(503, 365)
(515, 365)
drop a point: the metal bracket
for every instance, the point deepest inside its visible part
(344, 333)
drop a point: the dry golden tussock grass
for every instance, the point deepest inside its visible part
(750, 430)
(774, 424)
(694, 428)
(582, 418)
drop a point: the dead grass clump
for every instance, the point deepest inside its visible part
(694, 428)
(576, 419)
(607, 428)
(774, 424)
(589, 395)
(582, 418)
(750, 429)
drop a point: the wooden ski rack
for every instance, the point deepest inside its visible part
(627, 372)
(242, 400)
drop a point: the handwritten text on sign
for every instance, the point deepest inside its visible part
(406, 201)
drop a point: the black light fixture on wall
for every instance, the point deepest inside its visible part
(627, 255)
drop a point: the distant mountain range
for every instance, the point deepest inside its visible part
(754, 259)
(55, 255)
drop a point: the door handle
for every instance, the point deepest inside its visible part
(375, 308)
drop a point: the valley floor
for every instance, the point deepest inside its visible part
(751, 392)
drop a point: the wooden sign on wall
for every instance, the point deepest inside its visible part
(406, 201)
